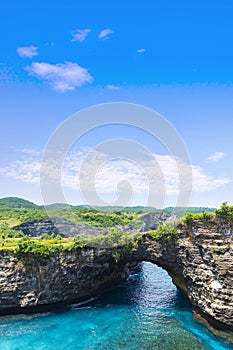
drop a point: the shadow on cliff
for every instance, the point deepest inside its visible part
(147, 286)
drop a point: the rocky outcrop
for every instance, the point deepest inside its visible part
(203, 269)
(65, 228)
(61, 278)
(151, 221)
(200, 265)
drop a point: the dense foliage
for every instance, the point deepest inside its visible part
(85, 216)
(167, 232)
(14, 211)
(7, 232)
(38, 248)
(206, 218)
(181, 211)
(27, 247)
(115, 238)
(225, 212)
(15, 202)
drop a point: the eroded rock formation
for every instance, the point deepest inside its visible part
(49, 226)
(200, 265)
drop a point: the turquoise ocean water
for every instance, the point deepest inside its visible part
(147, 312)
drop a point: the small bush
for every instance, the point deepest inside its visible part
(36, 248)
(7, 232)
(225, 212)
(167, 232)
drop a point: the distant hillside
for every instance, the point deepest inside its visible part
(180, 211)
(138, 208)
(57, 206)
(15, 202)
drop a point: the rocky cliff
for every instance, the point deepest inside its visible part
(61, 278)
(201, 265)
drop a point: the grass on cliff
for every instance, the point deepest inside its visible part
(21, 245)
(26, 247)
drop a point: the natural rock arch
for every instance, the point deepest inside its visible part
(202, 268)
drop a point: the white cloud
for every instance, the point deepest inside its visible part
(104, 34)
(27, 51)
(113, 87)
(62, 77)
(7, 74)
(203, 182)
(80, 34)
(27, 171)
(30, 151)
(141, 50)
(107, 174)
(216, 157)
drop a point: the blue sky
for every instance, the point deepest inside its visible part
(173, 56)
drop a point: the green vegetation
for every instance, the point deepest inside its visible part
(38, 248)
(98, 218)
(27, 247)
(181, 211)
(167, 232)
(15, 211)
(195, 220)
(15, 202)
(215, 249)
(225, 212)
(84, 216)
(191, 220)
(7, 232)
(115, 238)
(16, 216)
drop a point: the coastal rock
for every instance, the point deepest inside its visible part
(201, 265)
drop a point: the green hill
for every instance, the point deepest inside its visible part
(15, 202)
(180, 211)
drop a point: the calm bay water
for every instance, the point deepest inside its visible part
(147, 313)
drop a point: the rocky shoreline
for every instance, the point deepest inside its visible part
(201, 266)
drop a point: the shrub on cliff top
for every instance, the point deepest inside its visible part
(115, 238)
(225, 212)
(190, 220)
(167, 232)
(37, 248)
(7, 232)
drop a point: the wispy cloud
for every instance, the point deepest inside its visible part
(27, 51)
(61, 77)
(30, 151)
(108, 173)
(204, 182)
(141, 50)
(113, 87)
(105, 33)
(7, 75)
(27, 171)
(80, 34)
(216, 157)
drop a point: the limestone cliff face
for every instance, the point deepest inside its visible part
(60, 278)
(203, 269)
(201, 265)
